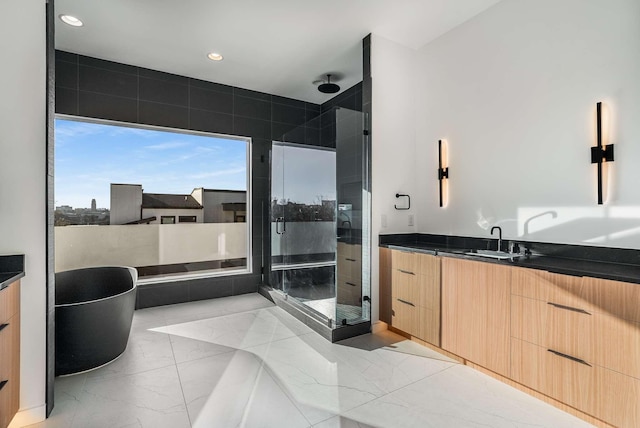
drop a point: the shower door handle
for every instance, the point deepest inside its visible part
(280, 220)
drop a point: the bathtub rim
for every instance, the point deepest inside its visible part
(134, 276)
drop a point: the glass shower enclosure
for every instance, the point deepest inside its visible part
(320, 217)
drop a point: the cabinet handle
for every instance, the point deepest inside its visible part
(2, 326)
(3, 383)
(569, 308)
(406, 271)
(405, 302)
(350, 260)
(569, 357)
(350, 283)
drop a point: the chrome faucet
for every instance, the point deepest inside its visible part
(499, 235)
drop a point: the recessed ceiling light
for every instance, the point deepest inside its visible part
(71, 20)
(214, 56)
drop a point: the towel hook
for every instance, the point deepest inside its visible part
(400, 195)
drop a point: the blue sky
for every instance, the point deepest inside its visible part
(90, 156)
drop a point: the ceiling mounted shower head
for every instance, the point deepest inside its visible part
(328, 88)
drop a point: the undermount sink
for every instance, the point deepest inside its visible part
(492, 254)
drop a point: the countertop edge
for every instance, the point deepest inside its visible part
(17, 275)
(538, 264)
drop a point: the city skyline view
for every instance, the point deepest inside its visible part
(90, 156)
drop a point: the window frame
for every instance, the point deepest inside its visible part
(176, 277)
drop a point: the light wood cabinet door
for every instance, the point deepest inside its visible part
(349, 269)
(606, 394)
(476, 312)
(9, 352)
(405, 316)
(415, 293)
(429, 279)
(565, 330)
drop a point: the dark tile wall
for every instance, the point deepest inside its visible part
(350, 99)
(95, 88)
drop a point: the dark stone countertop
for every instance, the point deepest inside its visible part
(11, 269)
(604, 268)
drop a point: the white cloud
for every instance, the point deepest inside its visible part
(168, 145)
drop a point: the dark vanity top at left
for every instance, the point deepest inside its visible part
(11, 269)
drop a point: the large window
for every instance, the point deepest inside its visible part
(168, 202)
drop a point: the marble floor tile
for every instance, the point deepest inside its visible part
(146, 350)
(314, 375)
(341, 422)
(243, 362)
(385, 367)
(67, 390)
(239, 330)
(149, 399)
(234, 390)
(203, 309)
(187, 349)
(461, 397)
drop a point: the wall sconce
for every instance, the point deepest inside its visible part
(600, 154)
(443, 173)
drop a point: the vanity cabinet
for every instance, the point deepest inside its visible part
(415, 294)
(349, 282)
(577, 339)
(9, 352)
(476, 312)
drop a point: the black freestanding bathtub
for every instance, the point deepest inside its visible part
(94, 310)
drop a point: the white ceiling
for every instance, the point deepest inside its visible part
(274, 46)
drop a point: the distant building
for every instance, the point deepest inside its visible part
(65, 209)
(130, 205)
(222, 206)
(93, 205)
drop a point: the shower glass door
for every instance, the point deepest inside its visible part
(303, 224)
(321, 215)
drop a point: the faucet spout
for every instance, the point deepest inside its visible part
(499, 236)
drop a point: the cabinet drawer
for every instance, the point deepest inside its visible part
(620, 299)
(348, 292)
(404, 261)
(405, 286)
(405, 316)
(546, 286)
(349, 267)
(605, 394)
(430, 323)
(592, 294)
(351, 251)
(9, 301)
(565, 330)
(9, 369)
(600, 339)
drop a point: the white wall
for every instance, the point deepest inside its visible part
(22, 182)
(158, 213)
(212, 201)
(393, 144)
(148, 244)
(514, 92)
(126, 203)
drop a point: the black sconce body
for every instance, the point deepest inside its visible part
(442, 172)
(600, 153)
